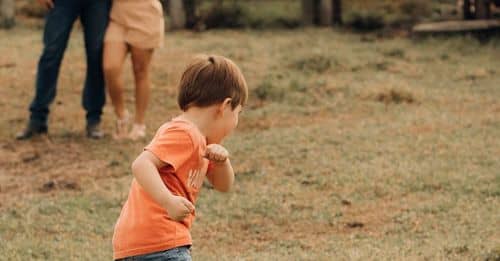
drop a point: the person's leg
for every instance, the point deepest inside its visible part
(141, 63)
(58, 24)
(94, 18)
(115, 54)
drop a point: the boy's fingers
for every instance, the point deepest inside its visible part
(222, 157)
(216, 155)
(188, 205)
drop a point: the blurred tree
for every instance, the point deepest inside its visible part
(177, 14)
(191, 18)
(482, 8)
(476, 9)
(308, 12)
(182, 13)
(337, 12)
(321, 12)
(325, 12)
(466, 7)
(7, 13)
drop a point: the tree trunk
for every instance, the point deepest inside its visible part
(308, 12)
(466, 7)
(7, 13)
(337, 12)
(311, 12)
(482, 9)
(177, 14)
(191, 19)
(217, 4)
(325, 12)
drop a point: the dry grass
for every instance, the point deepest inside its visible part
(323, 172)
(390, 95)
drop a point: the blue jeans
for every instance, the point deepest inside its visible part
(175, 254)
(58, 25)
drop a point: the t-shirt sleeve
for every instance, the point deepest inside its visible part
(173, 146)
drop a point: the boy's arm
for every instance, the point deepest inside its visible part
(221, 175)
(145, 170)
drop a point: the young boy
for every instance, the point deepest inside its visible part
(155, 220)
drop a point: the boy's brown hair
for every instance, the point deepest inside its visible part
(209, 79)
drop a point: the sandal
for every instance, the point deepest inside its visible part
(138, 132)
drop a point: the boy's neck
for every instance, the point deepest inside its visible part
(203, 118)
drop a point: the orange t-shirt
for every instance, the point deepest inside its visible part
(144, 226)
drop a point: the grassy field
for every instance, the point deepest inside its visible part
(353, 147)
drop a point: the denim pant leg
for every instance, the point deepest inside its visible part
(94, 18)
(58, 24)
(175, 254)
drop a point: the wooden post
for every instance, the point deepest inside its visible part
(336, 12)
(482, 9)
(177, 14)
(325, 12)
(7, 13)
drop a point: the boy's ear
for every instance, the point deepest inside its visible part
(228, 101)
(225, 104)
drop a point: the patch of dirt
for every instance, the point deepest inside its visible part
(40, 166)
(376, 217)
(391, 95)
(60, 185)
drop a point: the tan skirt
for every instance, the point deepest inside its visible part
(136, 22)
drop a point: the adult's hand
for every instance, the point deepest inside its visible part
(49, 4)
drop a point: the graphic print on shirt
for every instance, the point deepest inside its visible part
(196, 176)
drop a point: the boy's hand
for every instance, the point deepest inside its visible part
(216, 153)
(49, 4)
(179, 208)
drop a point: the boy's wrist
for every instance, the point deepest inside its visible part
(168, 200)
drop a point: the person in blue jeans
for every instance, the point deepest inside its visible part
(59, 22)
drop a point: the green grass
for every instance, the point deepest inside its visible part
(326, 170)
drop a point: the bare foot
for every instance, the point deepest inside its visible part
(121, 127)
